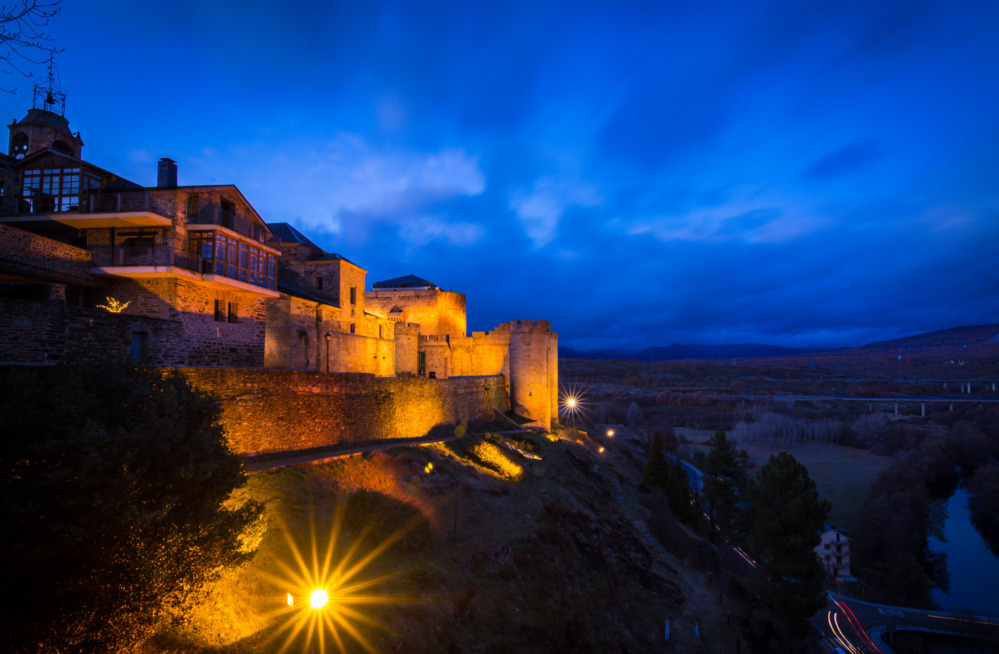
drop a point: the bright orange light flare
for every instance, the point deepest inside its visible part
(610, 432)
(318, 599)
(601, 450)
(328, 576)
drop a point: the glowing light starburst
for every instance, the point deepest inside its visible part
(327, 585)
(572, 402)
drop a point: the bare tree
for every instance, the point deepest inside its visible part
(23, 37)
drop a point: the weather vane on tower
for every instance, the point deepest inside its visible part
(51, 95)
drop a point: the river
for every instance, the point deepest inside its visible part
(974, 570)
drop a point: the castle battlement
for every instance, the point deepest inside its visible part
(534, 326)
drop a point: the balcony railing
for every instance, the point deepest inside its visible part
(110, 256)
(120, 255)
(116, 202)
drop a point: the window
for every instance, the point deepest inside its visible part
(222, 255)
(193, 207)
(421, 363)
(219, 311)
(80, 296)
(233, 309)
(19, 145)
(227, 214)
(352, 328)
(353, 295)
(319, 283)
(55, 189)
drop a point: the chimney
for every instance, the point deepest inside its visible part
(166, 173)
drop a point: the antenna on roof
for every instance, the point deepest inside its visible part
(51, 95)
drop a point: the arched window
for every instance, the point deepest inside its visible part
(19, 145)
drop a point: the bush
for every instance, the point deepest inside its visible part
(115, 483)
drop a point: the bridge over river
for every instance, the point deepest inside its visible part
(870, 400)
(862, 627)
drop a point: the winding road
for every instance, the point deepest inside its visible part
(859, 627)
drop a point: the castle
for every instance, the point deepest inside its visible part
(192, 277)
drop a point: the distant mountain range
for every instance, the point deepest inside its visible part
(978, 338)
(674, 352)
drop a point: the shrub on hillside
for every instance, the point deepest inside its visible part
(115, 487)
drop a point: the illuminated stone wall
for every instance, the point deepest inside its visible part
(358, 353)
(268, 411)
(407, 336)
(530, 357)
(296, 330)
(525, 352)
(296, 333)
(438, 312)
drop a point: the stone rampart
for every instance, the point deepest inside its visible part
(270, 411)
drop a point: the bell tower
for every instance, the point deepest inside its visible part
(45, 126)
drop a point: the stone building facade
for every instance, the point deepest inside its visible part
(193, 277)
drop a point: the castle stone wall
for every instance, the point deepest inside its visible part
(407, 336)
(268, 411)
(357, 353)
(438, 312)
(530, 378)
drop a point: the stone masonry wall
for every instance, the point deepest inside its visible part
(438, 312)
(40, 257)
(42, 332)
(199, 339)
(268, 411)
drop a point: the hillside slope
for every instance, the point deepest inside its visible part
(489, 549)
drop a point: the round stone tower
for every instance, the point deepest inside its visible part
(530, 374)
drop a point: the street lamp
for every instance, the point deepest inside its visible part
(329, 338)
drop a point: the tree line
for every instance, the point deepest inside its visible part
(776, 515)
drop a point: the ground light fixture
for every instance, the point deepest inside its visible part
(318, 599)
(328, 584)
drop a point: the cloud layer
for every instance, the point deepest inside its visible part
(778, 172)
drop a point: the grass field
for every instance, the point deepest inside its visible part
(843, 475)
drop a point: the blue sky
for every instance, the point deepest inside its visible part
(780, 172)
